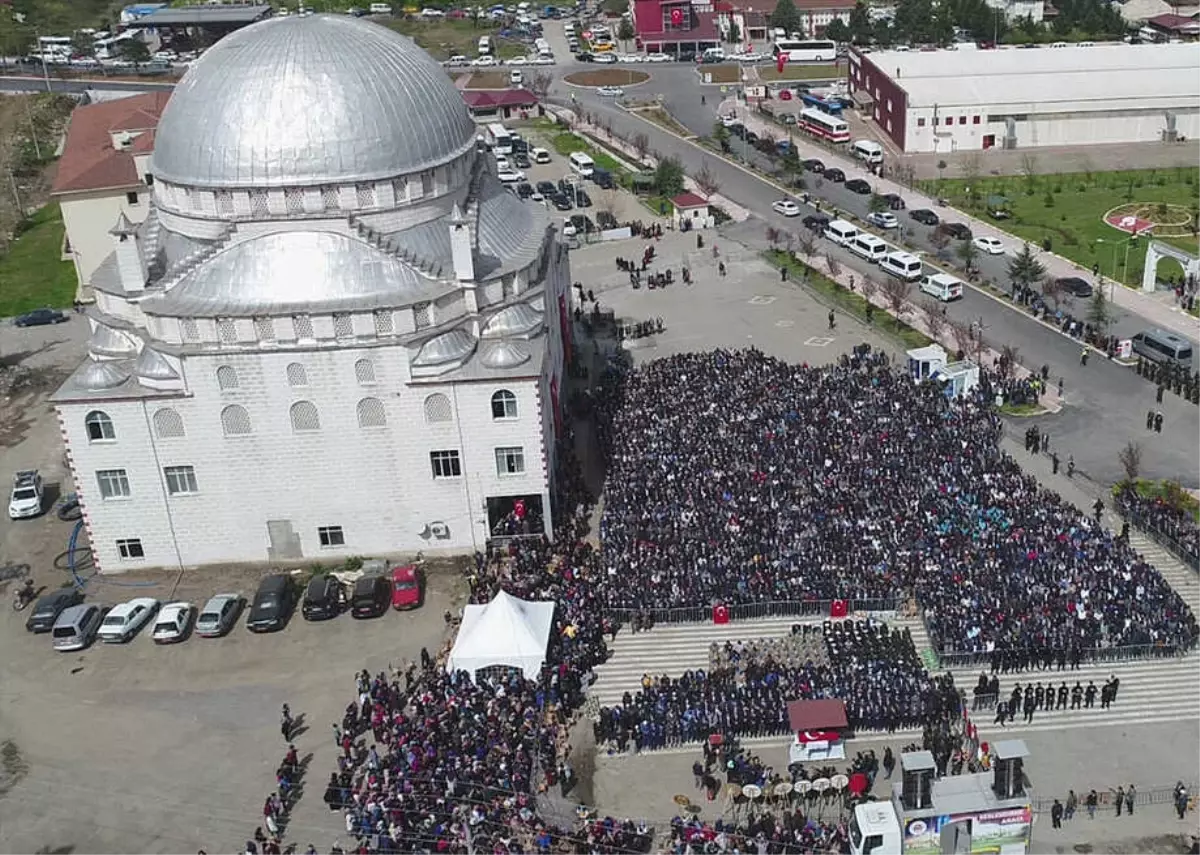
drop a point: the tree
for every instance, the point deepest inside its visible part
(786, 16)
(869, 288)
(940, 241)
(807, 245)
(1099, 313)
(838, 31)
(860, 24)
(935, 320)
(877, 204)
(1009, 359)
(706, 180)
(734, 35)
(641, 145)
(1053, 291)
(896, 292)
(1131, 461)
(967, 253)
(789, 242)
(539, 84)
(721, 135)
(625, 32)
(964, 338)
(1025, 269)
(83, 44)
(135, 51)
(668, 177)
(970, 169)
(832, 265)
(773, 236)
(1029, 169)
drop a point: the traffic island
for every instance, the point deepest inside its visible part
(607, 77)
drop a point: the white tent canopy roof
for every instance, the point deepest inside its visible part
(506, 631)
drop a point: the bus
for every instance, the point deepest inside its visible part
(824, 126)
(806, 51)
(499, 139)
(833, 108)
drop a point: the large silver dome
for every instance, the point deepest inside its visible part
(307, 100)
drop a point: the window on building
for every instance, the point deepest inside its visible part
(504, 405)
(331, 535)
(364, 372)
(962, 120)
(264, 328)
(149, 180)
(227, 330)
(99, 427)
(343, 325)
(438, 409)
(888, 125)
(365, 195)
(227, 377)
(510, 461)
(224, 202)
(446, 464)
(260, 203)
(330, 198)
(130, 547)
(293, 199)
(305, 417)
(889, 105)
(189, 329)
(168, 424)
(235, 421)
(384, 322)
(113, 483)
(131, 197)
(426, 183)
(181, 480)
(920, 123)
(421, 316)
(975, 120)
(302, 324)
(297, 375)
(371, 413)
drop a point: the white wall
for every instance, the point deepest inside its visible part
(88, 218)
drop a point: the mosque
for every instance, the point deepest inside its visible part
(335, 334)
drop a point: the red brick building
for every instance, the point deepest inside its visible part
(674, 26)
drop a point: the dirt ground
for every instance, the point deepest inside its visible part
(607, 77)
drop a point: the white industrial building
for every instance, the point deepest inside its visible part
(334, 334)
(970, 99)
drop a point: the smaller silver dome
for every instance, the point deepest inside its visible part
(152, 365)
(97, 376)
(506, 354)
(448, 347)
(518, 320)
(111, 343)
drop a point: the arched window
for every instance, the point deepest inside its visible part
(296, 375)
(168, 424)
(371, 413)
(99, 426)
(364, 372)
(227, 377)
(305, 417)
(437, 408)
(504, 405)
(235, 421)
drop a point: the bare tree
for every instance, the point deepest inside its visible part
(641, 145)
(940, 241)
(808, 245)
(970, 168)
(773, 236)
(1009, 359)
(1029, 168)
(935, 321)
(706, 181)
(539, 84)
(832, 265)
(1053, 291)
(789, 241)
(1131, 460)
(895, 292)
(964, 338)
(869, 288)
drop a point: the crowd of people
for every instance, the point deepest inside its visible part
(1172, 519)
(765, 481)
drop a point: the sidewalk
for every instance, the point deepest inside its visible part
(1139, 303)
(1144, 831)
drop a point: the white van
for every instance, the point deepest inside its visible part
(582, 164)
(841, 232)
(713, 54)
(943, 286)
(381, 8)
(485, 45)
(902, 264)
(868, 151)
(868, 246)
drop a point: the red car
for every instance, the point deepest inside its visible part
(408, 587)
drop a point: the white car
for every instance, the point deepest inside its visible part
(502, 163)
(748, 57)
(484, 61)
(786, 207)
(123, 622)
(630, 57)
(883, 219)
(611, 91)
(539, 155)
(569, 229)
(172, 623)
(990, 245)
(542, 60)
(457, 61)
(26, 498)
(510, 176)
(218, 615)
(517, 60)
(730, 120)
(604, 58)
(658, 57)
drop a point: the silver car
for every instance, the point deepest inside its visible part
(218, 615)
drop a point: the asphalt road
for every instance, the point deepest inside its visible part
(23, 83)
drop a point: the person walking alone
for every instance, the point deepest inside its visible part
(1090, 802)
(1120, 799)
(1056, 814)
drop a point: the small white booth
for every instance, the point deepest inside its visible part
(932, 363)
(506, 632)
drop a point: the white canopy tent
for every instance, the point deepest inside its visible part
(506, 631)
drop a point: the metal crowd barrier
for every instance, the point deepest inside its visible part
(1144, 524)
(962, 659)
(754, 611)
(1104, 798)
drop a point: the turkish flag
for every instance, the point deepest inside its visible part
(519, 509)
(838, 608)
(720, 615)
(676, 17)
(780, 61)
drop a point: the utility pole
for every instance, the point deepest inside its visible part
(33, 131)
(16, 196)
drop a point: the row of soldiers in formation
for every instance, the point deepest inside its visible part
(1047, 698)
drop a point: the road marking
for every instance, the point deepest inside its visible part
(761, 300)
(787, 325)
(818, 341)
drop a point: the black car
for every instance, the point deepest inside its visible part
(47, 609)
(834, 175)
(857, 185)
(371, 598)
(41, 317)
(924, 215)
(272, 605)
(322, 598)
(522, 161)
(583, 223)
(583, 57)
(686, 56)
(602, 178)
(894, 202)
(1074, 286)
(737, 129)
(958, 231)
(524, 190)
(816, 222)
(750, 137)
(546, 188)
(813, 165)
(561, 201)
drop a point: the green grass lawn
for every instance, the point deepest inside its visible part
(1169, 492)
(800, 72)
(1074, 218)
(722, 73)
(848, 301)
(447, 37)
(33, 274)
(664, 119)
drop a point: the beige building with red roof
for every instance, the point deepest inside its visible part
(103, 173)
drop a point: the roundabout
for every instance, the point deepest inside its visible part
(607, 77)
(1163, 219)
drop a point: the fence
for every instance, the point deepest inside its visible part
(755, 611)
(1146, 524)
(1105, 798)
(962, 659)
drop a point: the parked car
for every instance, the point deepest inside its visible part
(218, 615)
(604, 59)
(540, 155)
(41, 317)
(546, 188)
(990, 245)
(272, 605)
(125, 619)
(323, 598)
(610, 91)
(524, 190)
(521, 160)
(658, 57)
(786, 207)
(584, 57)
(883, 219)
(561, 201)
(76, 627)
(408, 587)
(816, 222)
(813, 165)
(835, 175)
(894, 202)
(49, 606)
(859, 186)
(924, 215)
(509, 176)
(27, 495)
(172, 623)
(1074, 286)
(958, 231)
(602, 178)
(371, 598)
